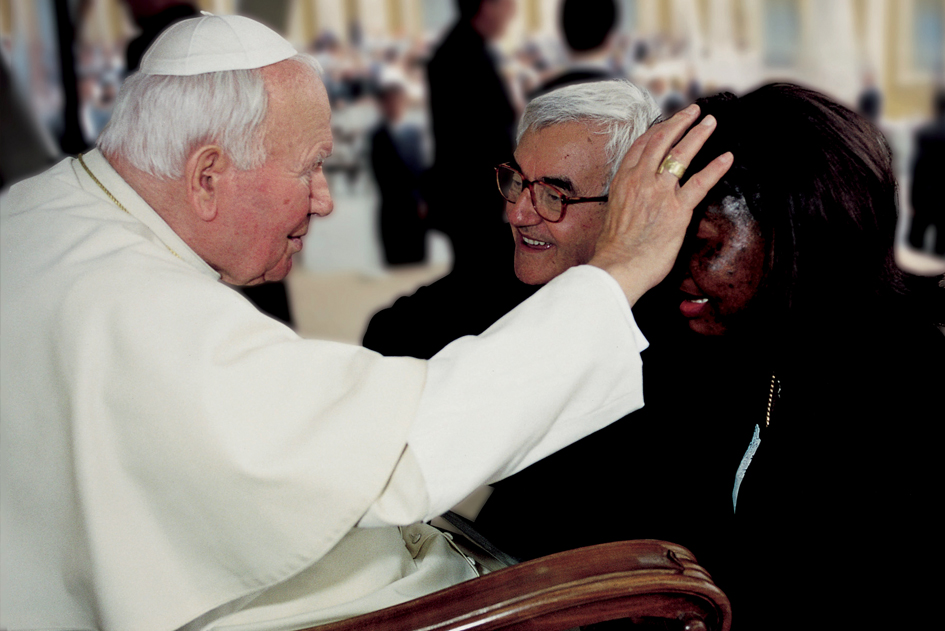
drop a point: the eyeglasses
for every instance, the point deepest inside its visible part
(549, 201)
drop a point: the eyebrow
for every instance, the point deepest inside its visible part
(563, 182)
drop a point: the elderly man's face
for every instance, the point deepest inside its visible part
(570, 156)
(268, 208)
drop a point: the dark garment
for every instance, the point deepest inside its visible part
(464, 302)
(835, 513)
(151, 27)
(473, 126)
(870, 103)
(398, 165)
(272, 299)
(927, 197)
(836, 505)
(572, 77)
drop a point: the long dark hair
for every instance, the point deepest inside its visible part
(818, 177)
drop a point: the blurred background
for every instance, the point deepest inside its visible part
(64, 60)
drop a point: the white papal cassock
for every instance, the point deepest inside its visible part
(170, 456)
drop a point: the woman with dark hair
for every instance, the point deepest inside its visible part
(792, 384)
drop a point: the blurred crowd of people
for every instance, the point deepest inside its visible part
(380, 93)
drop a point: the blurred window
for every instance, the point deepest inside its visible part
(438, 16)
(928, 41)
(782, 32)
(627, 14)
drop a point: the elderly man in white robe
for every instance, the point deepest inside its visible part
(172, 458)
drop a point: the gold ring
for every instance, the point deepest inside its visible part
(673, 166)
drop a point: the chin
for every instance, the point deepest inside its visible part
(706, 328)
(277, 273)
(533, 278)
(535, 275)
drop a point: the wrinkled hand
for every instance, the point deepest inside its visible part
(649, 211)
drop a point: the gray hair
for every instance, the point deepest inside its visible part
(624, 111)
(158, 120)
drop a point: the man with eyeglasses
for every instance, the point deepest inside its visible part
(570, 143)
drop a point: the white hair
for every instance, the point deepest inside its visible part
(623, 110)
(158, 120)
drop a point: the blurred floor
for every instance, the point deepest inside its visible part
(338, 305)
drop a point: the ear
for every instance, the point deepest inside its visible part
(205, 175)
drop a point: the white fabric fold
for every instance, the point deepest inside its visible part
(563, 364)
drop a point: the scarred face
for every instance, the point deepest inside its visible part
(726, 267)
(571, 157)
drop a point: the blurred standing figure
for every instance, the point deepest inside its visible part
(152, 17)
(587, 26)
(473, 125)
(397, 161)
(25, 146)
(928, 201)
(870, 101)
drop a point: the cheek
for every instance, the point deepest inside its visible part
(578, 240)
(294, 200)
(730, 273)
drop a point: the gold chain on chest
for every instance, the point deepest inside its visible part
(773, 393)
(114, 200)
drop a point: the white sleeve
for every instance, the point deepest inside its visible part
(562, 365)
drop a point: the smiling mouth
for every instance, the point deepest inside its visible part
(535, 243)
(693, 306)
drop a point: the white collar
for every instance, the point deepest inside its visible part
(110, 182)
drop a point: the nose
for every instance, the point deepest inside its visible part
(522, 212)
(321, 203)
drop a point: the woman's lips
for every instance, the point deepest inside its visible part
(693, 306)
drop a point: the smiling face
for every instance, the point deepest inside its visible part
(266, 211)
(726, 267)
(570, 156)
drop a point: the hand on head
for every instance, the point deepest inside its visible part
(649, 211)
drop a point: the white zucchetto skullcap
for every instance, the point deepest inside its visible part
(212, 43)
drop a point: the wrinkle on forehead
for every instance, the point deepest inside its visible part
(564, 154)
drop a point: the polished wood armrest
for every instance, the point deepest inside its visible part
(629, 579)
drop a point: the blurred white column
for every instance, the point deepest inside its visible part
(753, 23)
(411, 18)
(375, 21)
(548, 18)
(721, 24)
(728, 65)
(687, 25)
(874, 41)
(219, 7)
(517, 30)
(301, 28)
(331, 17)
(648, 17)
(828, 56)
